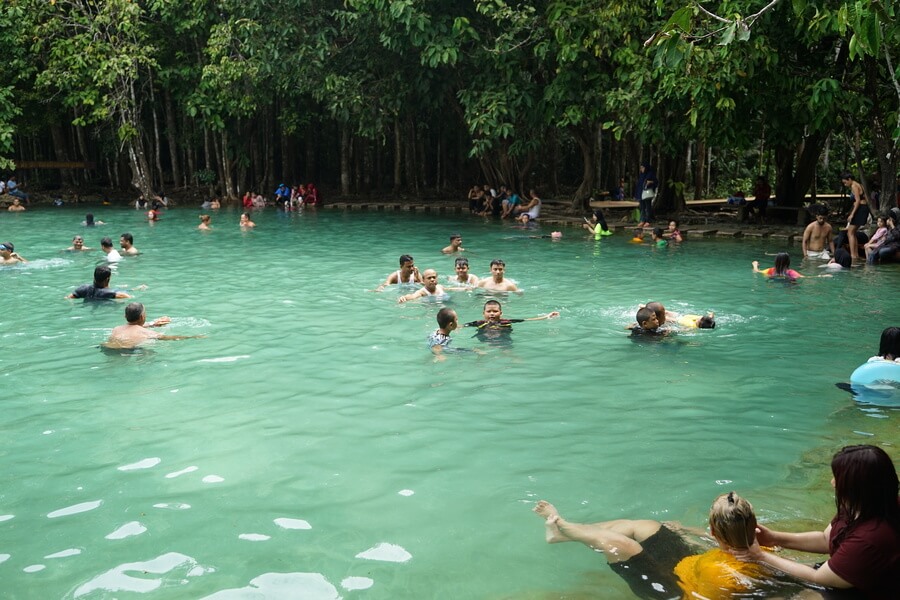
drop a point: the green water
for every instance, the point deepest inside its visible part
(310, 447)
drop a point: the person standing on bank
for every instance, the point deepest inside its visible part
(645, 193)
(859, 214)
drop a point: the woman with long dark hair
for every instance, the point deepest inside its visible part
(863, 539)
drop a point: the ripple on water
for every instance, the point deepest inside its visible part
(183, 471)
(386, 552)
(309, 586)
(64, 553)
(147, 463)
(357, 583)
(176, 566)
(34, 568)
(75, 509)
(254, 537)
(286, 523)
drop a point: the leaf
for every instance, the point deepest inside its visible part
(727, 35)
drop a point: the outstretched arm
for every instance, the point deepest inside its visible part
(822, 576)
(159, 322)
(755, 264)
(549, 315)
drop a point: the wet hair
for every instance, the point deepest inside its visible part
(732, 521)
(106, 242)
(598, 214)
(454, 236)
(102, 274)
(204, 218)
(9, 246)
(445, 317)
(497, 261)
(846, 175)
(489, 302)
(706, 322)
(890, 343)
(865, 487)
(659, 309)
(782, 263)
(462, 261)
(78, 237)
(405, 258)
(89, 219)
(843, 258)
(657, 232)
(127, 237)
(643, 314)
(133, 312)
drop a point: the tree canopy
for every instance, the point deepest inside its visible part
(423, 97)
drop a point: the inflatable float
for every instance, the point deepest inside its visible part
(877, 382)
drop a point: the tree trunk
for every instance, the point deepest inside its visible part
(581, 202)
(345, 159)
(172, 137)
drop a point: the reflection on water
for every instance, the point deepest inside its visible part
(311, 446)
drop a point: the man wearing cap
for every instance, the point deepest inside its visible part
(8, 255)
(99, 290)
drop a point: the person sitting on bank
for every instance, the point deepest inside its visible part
(137, 331)
(99, 289)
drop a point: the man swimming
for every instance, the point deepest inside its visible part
(8, 254)
(455, 245)
(497, 282)
(431, 288)
(78, 245)
(408, 274)
(99, 290)
(463, 277)
(137, 330)
(126, 240)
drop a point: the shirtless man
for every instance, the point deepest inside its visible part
(496, 282)
(816, 235)
(463, 277)
(407, 275)
(431, 287)
(78, 245)
(16, 206)
(8, 255)
(138, 330)
(455, 245)
(126, 240)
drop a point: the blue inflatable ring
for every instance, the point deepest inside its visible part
(877, 371)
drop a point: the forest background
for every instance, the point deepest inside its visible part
(424, 98)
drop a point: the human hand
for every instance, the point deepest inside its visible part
(141, 287)
(752, 554)
(553, 315)
(402, 299)
(765, 536)
(161, 321)
(755, 264)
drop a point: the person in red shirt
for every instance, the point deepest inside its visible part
(863, 539)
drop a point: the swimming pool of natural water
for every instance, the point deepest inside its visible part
(309, 446)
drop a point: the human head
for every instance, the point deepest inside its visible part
(77, 242)
(865, 484)
(133, 312)
(430, 277)
(106, 243)
(782, 262)
(732, 522)
(706, 322)
(7, 247)
(673, 225)
(498, 267)
(126, 240)
(102, 275)
(882, 221)
(843, 258)
(89, 219)
(556, 235)
(646, 318)
(405, 258)
(492, 310)
(455, 237)
(660, 311)
(245, 216)
(205, 219)
(462, 266)
(846, 177)
(890, 343)
(657, 233)
(446, 317)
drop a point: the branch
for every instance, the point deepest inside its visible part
(890, 65)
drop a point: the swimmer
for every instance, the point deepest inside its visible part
(245, 222)
(431, 288)
(497, 282)
(647, 323)
(672, 233)
(493, 318)
(99, 289)
(463, 277)
(707, 321)
(439, 340)
(816, 235)
(638, 237)
(90, 222)
(153, 213)
(889, 347)
(781, 268)
(137, 330)
(126, 241)
(204, 222)
(112, 255)
(657, 236)
(597, 225)
(408, 274)
(663, 560)
(455, 245)
(662, 316)
(840, 261)
(16, 206)
(78, 245)
(214, 204)
(8, 255)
